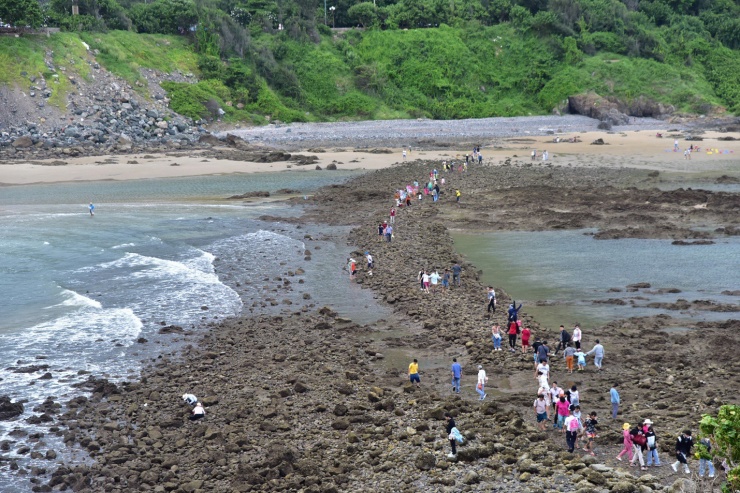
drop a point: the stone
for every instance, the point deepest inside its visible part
(471, 477)
(623, 487)
(425, 461)
(8, 409)
(601, 468)
(22, 142)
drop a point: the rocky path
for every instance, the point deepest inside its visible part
(308, 401)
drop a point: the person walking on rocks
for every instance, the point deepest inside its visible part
(683, 451)
(543, 352)
(404, 154)
(704, 450)
(388, 233)
(414, 373)
(496, 337)
(569, 355)
(590, 425)
(598, 352)
(198, 412)
(381, 231)
(434, 280)
(626, 443)
(581, 358)
(457, 275)
(571, 427)
(370, 263)
(562, 408)
(456, 375)
(393, 215)
(526, 333)
(577, 335)
(491, 300)
(446, 279)
(457, 195)
(453, 442)
(614, 398)
(482, 381)
(639, 444)
(513, 330)
(563, 340)
(575, 397)
(513, 311)
(425, 281)
(540, 409)
(652, 444)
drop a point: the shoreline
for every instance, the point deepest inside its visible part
(324, 401)
(638, 149)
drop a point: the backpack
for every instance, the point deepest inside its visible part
(573, 425)
(639, 439)
(456, 435)
(651, 442)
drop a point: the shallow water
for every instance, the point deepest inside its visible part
(566, 271)
(79, 291)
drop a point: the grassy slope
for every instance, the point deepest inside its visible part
(439, 73)
(123, 53)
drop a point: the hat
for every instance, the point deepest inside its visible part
(626, 426)
(562, 394)
(480, 367)
(647, 422)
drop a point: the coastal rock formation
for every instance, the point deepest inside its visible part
(8, 409)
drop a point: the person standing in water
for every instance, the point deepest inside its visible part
(91, 207)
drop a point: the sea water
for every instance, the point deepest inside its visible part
(86, 294)
(562, 276)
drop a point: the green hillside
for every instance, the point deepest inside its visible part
(416, 58)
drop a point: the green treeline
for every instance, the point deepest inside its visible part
(430, 58)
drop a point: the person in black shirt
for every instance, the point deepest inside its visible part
(683, 451)
(450, 426)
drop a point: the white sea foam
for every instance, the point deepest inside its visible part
(76, 299)
(123, 245)
(77, 331)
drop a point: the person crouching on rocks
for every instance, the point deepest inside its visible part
(190, 399)
(198, 412)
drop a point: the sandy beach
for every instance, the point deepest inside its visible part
(639, 149)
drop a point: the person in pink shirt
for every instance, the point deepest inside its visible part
(393, 215)
(563, 409)
(627, 443)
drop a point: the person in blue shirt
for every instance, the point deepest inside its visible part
(91, 207)
(456, 375)
(514, 311)
(614, 395)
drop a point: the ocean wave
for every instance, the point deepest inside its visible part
(76, 299)
(77, 332)
(123, 245)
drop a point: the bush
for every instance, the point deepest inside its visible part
(723, 430)
(190, 99)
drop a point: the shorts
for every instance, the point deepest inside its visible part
(590, 437)
(353, 272)
(445, 283)
(541, 417)
(414, 377)
(525, 342)
(426, 284)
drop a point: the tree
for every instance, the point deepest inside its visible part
(725, 429)
(366, 13)
(21, 13)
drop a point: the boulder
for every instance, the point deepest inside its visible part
(594, 106)
(425, 461)
(22, 142)
(9, 410)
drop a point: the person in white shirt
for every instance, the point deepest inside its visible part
(544, 367)
(190, 399)
(482, 381)
(577, 336)
(198, 412)
(434, 280)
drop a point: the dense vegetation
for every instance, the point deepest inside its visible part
(451, 59)
(723, 431)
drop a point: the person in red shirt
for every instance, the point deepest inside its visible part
(525, 339)
(393, 215)
(513, 329)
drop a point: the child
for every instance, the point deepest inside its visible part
(652, 445)
(683, 450)
(577, 415)
(446, 279)
(627, 443)
(575, 398)
(590, 426)
(525, 339)
(581, 360)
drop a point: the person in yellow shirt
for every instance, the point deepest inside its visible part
(457, 195)
(414, 373)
